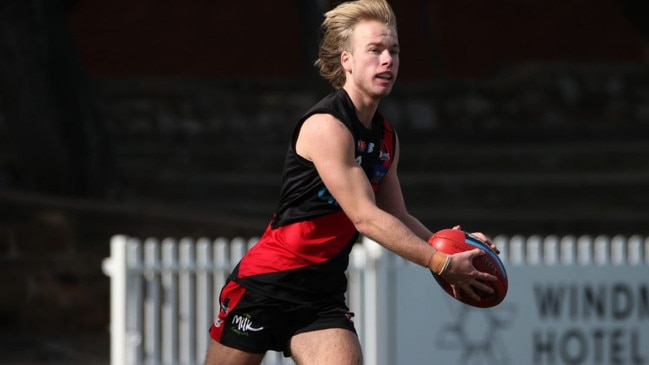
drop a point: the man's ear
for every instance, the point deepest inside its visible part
(345, 61)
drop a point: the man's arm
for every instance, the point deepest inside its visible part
(327, 143)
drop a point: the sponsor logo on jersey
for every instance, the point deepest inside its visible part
(361, 146)
(379, 174)
(242, 324)
(225, 305)
(325, 195)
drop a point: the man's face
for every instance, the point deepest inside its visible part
(373, 63)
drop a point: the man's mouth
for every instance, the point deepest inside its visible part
(385, 76)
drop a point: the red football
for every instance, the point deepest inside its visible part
(452, 241)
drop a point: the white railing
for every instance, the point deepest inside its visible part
(163, 292)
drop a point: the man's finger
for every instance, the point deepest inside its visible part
(483, 287)
(469, 290)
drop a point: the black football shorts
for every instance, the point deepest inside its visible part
(256, 323)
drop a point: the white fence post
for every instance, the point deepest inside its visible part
(169, 301)
(567, 250)
(205, 294)
(115, 267)
(152, 325)
(187, 302)
(133, 315)
(376, 308)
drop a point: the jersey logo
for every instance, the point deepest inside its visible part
(225, 305)
(244, 324)
(361, 145)
(325, 195)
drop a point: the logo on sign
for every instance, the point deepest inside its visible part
(476, 334)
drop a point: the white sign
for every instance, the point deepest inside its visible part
(553, 315)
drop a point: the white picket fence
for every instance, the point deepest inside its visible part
(164, 292)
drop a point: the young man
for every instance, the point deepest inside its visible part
(339, 180)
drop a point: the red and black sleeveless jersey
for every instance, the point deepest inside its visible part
(304, 252)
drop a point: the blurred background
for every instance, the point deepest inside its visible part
(166, 118)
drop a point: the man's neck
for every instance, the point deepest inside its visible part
(364, 105)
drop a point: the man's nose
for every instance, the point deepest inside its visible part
(386, 58)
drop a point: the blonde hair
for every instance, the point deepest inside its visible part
(338, 26)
